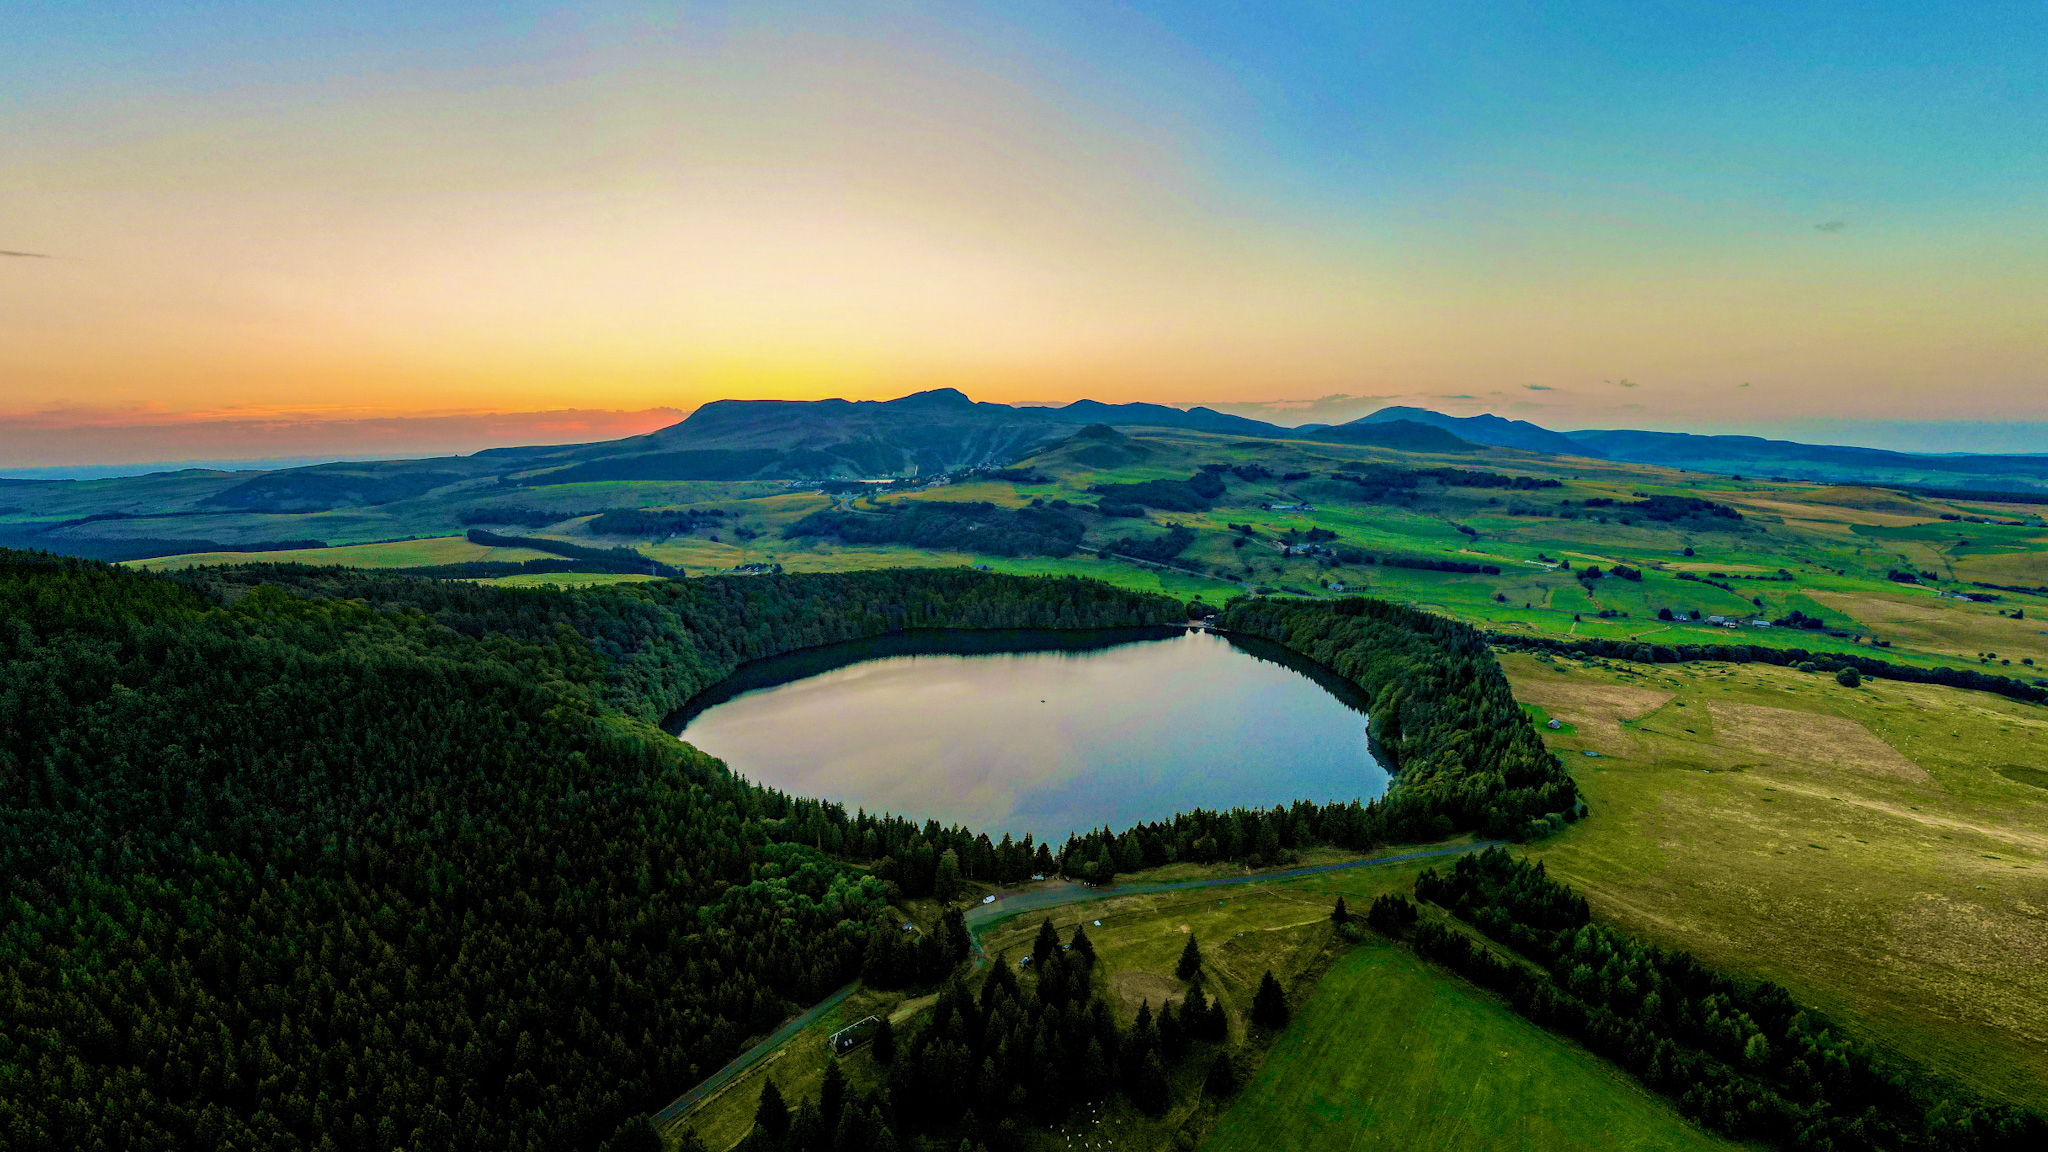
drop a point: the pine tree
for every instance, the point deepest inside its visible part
(880, 968)
(771, 1115)
(1149, 1089)
(1190, 960)
(1081, 946)
(1045, 946)
(1269, 1003)
(1340, 914)
(946, 882)
(885, 1041)
(1222, 1078)
(635, 1135)
(1173, 1037)
(832, 1095)
(953, 931)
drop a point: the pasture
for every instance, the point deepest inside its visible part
(1880, 851)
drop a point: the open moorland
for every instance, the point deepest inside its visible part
(1882, 851)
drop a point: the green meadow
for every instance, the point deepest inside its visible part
(1391, 1053)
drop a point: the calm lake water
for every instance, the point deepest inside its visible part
(1042, 732)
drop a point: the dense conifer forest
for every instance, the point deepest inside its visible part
(315, 858)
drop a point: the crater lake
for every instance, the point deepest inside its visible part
(1042, 732)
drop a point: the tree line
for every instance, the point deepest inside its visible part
(1741, 1058)
(1966, 678)
(1036, 1043)
(951, 525)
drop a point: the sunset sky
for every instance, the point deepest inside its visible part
(1700, 216)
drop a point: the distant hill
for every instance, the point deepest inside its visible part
(1495, 431)
(1401, 435)
(1755, 455)
(1730, 455)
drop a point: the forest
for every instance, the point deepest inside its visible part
(1741, 1058)
(952, 525)
(312, 858)
(306, 857)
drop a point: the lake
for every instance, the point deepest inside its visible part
(1042, 732)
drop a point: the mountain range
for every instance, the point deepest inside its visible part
(925, 433)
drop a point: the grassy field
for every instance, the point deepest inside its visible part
(1877, 850)
(397, 554)
(1823, 550)
(798, 1069)
(1391, 1053)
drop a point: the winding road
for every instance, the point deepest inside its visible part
(1017, 903)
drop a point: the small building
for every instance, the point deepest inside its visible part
(1336, 586)
(909, 928)
(1556, 725)
(855, 1034)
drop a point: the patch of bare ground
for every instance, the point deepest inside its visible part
(1596, 709)
(1814, 737)
(1133, 987)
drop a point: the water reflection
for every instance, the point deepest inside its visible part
(1050, 733)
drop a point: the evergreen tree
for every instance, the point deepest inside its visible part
(1190, 960)
(635, 1135)
(1222, 1078)
(953, 932)
(771, 1115)
(1045, 946)
(1149, 1089)
(946, 882)
(880, 969)
(885, 1041)
(1081, 948)
(1173, 1037)
(832, 1095)
(1269, 1003)
(1340, 914)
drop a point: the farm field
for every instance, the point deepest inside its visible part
(1881, 851)
(395, 554)
(1392, 1053)
(1824, 551)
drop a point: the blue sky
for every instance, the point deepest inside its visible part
(375, 209)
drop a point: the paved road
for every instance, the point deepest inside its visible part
(1054, 895)
(1016, 904)
(752, 1056)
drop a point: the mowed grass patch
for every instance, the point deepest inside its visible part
(1392, 1053)
(1867, 848)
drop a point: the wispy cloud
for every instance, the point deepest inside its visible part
(27, 255)
(1539, 387)
(1831, 226)
(1625, 382)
